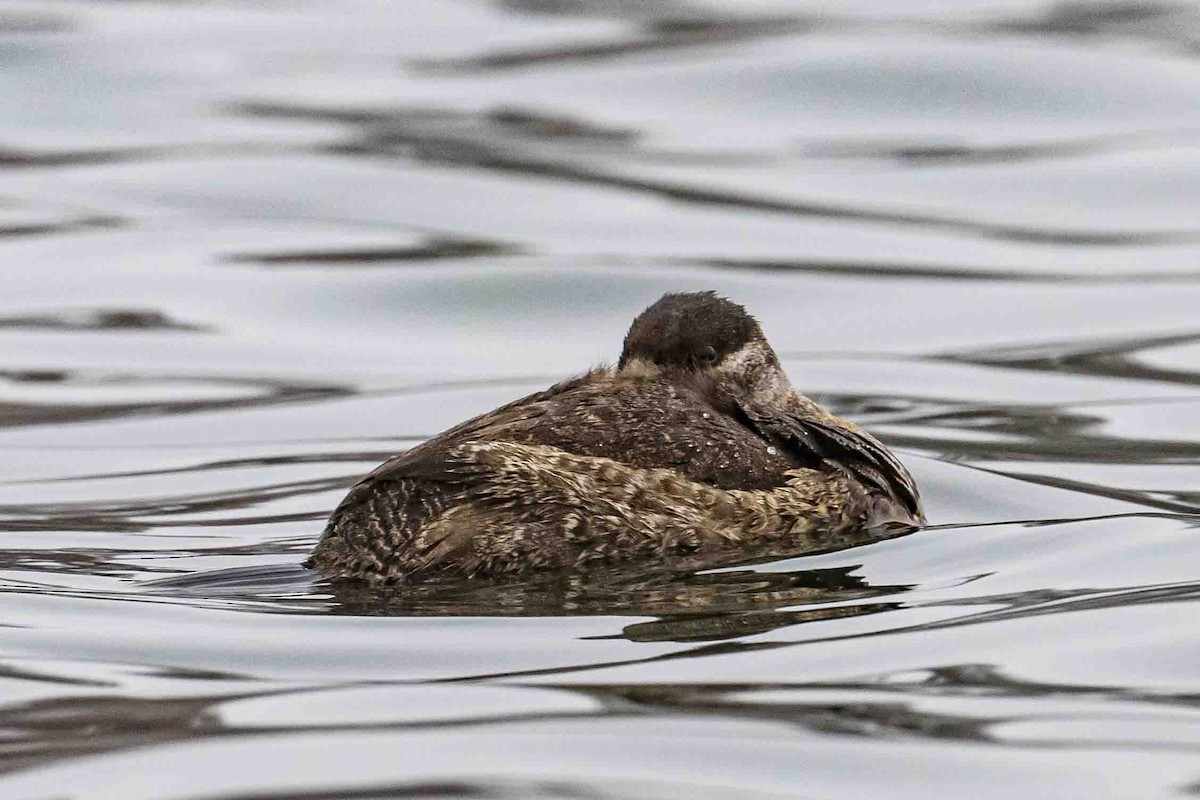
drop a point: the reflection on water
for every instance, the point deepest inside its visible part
(253, 251)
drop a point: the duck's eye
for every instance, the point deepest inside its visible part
(707, 355)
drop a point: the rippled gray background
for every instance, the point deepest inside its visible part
(250, 249)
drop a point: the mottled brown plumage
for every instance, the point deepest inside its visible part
(694, 443)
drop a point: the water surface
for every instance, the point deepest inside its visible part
(252, 250)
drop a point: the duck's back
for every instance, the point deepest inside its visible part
(383, 526)
(647, 423)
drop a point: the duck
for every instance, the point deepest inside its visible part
(693, 443)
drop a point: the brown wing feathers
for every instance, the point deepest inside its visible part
(812, 441)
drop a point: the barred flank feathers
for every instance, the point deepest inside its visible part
(534, 506)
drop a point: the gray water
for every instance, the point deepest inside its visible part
(252, 249)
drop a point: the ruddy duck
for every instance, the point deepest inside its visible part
(694, 443)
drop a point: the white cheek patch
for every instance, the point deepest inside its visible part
(776, 389)
(756, 362)
(746, 360)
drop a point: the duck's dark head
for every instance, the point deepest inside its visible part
(702, 335)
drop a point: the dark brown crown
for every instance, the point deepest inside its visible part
(679, 329)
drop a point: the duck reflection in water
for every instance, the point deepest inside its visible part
(691, 600)
(694, 445)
